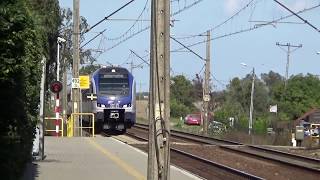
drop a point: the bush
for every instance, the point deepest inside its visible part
(260, 125)
(21, 51)
(178, 109)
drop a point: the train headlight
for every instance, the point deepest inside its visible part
(127, 105)
(102, 105)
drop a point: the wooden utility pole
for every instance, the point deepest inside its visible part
(288, 51)
(159, 111)
(76, 60)
(206, 93)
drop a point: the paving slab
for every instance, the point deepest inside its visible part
(83, 158)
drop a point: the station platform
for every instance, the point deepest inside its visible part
(83, 158)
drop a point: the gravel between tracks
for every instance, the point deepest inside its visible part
(313, 153)
(253, 165)
(259, 167)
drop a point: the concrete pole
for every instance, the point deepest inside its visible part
(251, 101)
(159, 111)
(206, 95)
(42, 104)
(76, 61)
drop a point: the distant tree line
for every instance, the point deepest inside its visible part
(300, 95)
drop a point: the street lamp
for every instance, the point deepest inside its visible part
(59, 40)
(251, 98)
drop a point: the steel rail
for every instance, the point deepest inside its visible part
(302, 162)
(206, 161)
(294, 160)
(194, 137)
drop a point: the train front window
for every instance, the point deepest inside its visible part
(114, 84)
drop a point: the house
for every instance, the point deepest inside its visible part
(310, 117)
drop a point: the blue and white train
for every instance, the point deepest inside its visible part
(114, 107)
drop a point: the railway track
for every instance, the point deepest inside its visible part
(192, 138)
(298, 161)
(204, 167)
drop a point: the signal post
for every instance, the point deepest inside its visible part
(56, 87)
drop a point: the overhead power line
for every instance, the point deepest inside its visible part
(188, 48)
(221, 24)
(288, 51)
(140, 57)
(127, 19)
(248, 29)
(132, 26)
(283, 22)
(186, 7)
(230, 18)
(105, 18)
(132, 34)
(93, 38)
(221, 83)
(305, 21)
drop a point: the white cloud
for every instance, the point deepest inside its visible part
(294, 5)
(231, 6)
(298, 5)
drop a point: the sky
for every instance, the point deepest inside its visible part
(256, 48)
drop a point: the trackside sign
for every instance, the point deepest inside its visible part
(84, 82)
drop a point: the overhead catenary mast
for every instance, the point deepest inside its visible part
(159, 110)
(206, 93)
(76, 60)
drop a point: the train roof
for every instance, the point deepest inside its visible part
(107, 69)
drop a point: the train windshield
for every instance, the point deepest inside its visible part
(114, 84)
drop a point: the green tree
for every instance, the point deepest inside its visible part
(302, 94)
(236, 101)
(66, 32)
(181, 89)
(275, 84)
(197, 89)
(45, 14)
(181, 99)
(24, 39)
(87, 70)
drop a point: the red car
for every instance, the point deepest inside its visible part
(193, 119)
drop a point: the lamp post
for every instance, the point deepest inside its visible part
(251, 98)
(59, 40)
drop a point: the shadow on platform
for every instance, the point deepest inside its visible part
(31, 171)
